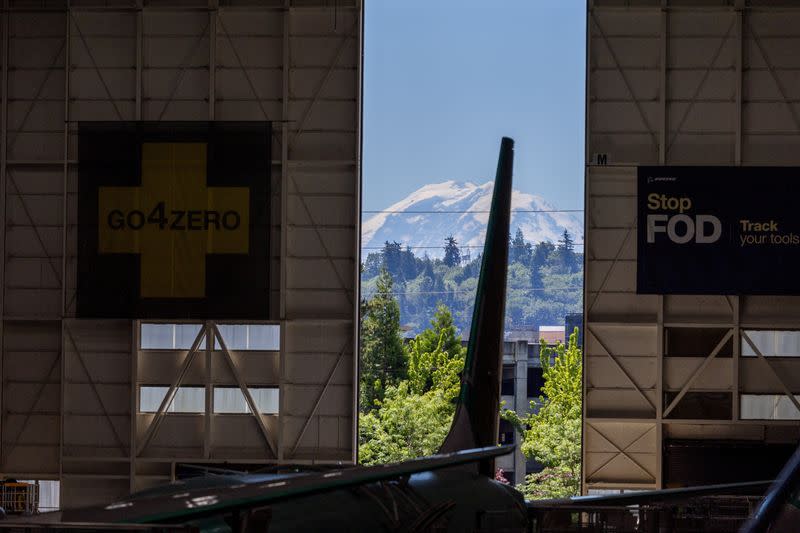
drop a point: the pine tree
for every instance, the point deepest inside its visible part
(520, 251)
(566, 252)
(452, 255)
(383, 360)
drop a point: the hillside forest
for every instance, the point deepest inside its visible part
(544, 282)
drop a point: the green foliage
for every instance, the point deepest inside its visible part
(383, 362)
(415, 415)
(553, 434)
(452, 255)
(544, 282)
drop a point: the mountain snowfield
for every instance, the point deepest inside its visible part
(424, 218)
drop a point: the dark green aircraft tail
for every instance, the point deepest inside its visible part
(476, 418)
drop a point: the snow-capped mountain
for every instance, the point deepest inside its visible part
(423, 219)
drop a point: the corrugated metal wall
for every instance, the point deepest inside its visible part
(69, 395)
(674, 82)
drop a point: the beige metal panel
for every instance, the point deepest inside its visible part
(258, 368)
(314, 368)
(620, 403)
(716, 376)
(612, 276)
(621, 340)
(33, 458)
(698, 309)
(303, 242)
(618, 452)
(317, 273)
(238, 436)
(770, 311)
(757, 377)
(179, 435)
(604, 372)
(80, 491)
(156, 367)
(612, 306)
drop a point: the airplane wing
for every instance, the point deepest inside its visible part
(190, 504)
(647, 496)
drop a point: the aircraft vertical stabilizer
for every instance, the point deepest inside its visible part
(476, 418)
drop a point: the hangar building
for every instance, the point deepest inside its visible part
(191, 150)
(692, 360)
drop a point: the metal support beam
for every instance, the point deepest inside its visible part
(697, 372)
(173, 388)
(621, 71)
(621, 368)
(700, 85)
(4, 43)
(245, 391)
(321, 395)
(786, 390)
(182, 72)
(99, 398)
(94, 65)
(620, 451)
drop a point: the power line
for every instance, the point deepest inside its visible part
(465, 291)
(392, 212)
(460, 246)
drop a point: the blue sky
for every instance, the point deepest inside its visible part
(445, 79)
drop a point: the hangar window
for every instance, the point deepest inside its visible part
(266, 337)
(186, 400)
(169, 336)
(230, 400)
(772, 343)
(768, 407)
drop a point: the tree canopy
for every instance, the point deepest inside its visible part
(415, 415)
(552, 433)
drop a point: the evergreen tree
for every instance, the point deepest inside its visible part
(452, 255)
(540, 257)
(519, 250)
(383, 361)
(393, 258)
(566, 252)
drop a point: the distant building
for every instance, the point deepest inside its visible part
(551, 334)
(521, 383)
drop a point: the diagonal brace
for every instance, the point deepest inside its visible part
(696, 374)
(782, 383)
(173, 389)
(245, 390)
(621, 368)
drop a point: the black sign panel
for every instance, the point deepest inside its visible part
(718, 230)
(173, 220)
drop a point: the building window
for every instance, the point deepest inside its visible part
(507, 385)
(535, 381)
(506, 432)
(767, 407)
(154, 336)
(186, 399)
(263, 337)
(772, 343)
(230, 400)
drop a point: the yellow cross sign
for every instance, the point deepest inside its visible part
(173, 220)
